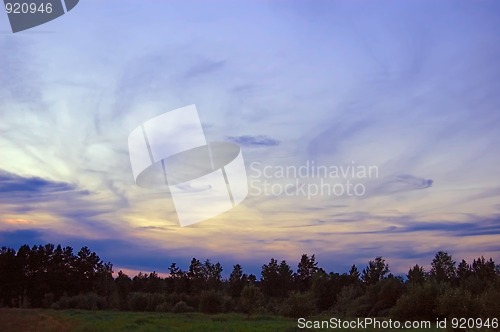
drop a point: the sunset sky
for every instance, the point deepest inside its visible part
(411, 88)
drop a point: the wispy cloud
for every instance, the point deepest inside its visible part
(249, 140)
(13, 184)
(18, 189)
(65, 203)
(401, 183)
(204, 67)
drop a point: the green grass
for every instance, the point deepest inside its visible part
(146, 322)
(20, 320)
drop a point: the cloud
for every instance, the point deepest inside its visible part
(204, 67)
(38, 198)
(19, 195)
(476, 226)
(18, 189)
(259, 140)
(329, 141)
(402, 183)
(470, 225)
(15, 239)
(12, 184)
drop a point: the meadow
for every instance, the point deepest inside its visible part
(44, 320)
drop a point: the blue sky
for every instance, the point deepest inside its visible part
(409, 87)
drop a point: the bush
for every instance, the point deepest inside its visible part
(273, 306)
(211, 302)
(65, 302)
(190, 299)
(173, 298)
(89, 301)
(163, 307)
(419, 302)
(347, 300)
(457, 302)
(181, 307)
(114, 302)
(251, 299)
(154, 300)
(488, 303)
(378, 299)
(138, 301)
(228, 304)
(298, 305)
(145, 301)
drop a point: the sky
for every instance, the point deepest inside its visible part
(408, 89)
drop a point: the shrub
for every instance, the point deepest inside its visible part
(190, 299)
(419, 302)
(273, 306)
(488, 302)
(346, 300)
(89, 301)
(181, 307)
(298, 305)
(65, 302)
(228, 304)
(251, 299)
(457, 302)
(115, 303)
(211, 302)
(173, 298)
(145, 301)
(138, 301)
(163, 307)
(378, 299)
(154, 300)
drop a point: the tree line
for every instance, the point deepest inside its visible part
(49, 276)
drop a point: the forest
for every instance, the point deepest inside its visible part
(49, 276)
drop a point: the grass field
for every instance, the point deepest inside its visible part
(21, 320)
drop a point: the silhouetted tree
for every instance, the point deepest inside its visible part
(325, 288)
(416, 275)
(375, 271)
(123, 286)
(237, 280)
(52, 276)
(305, 270)
(104, 283)
(9, 268)
(463, 271)
(178, 280)
(252, 279)
(212, 275)
(154, 283)
(276, 279)
(87, 266)
(285, 279)
(443, 267)
(20, 271)
(483, 269)
(354, 274)
(196, 277)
